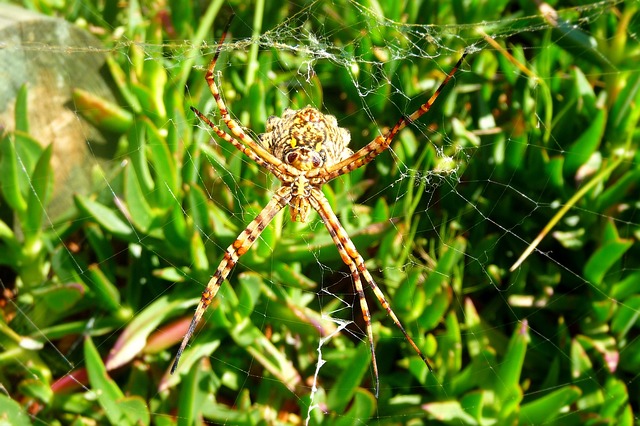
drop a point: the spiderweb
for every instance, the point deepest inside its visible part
(502, 226)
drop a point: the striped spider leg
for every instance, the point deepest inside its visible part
(304, 149)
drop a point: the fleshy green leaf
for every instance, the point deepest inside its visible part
(141, 212)
(549, 407)
(118, 409)
(105, 216)
(22, 110)
(41, 189)
(11, 176)
(106, 293)
(102, 113)
(580, 151)
(247, 335)
(349, 380)
(134, 337)
(449, 412)
(164, 166)
(363, 406)
(12, 413)
(107, 391)
(604, 258)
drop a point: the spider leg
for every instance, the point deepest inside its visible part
(257, 157)
(259, 154)
(352, 258)
(370, 151)
(239, 247)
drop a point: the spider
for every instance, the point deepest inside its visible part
(304, 149)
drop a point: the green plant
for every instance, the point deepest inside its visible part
(535, 140)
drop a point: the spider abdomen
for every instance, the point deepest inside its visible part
(306, 139)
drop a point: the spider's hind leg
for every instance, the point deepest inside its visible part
(352, 258)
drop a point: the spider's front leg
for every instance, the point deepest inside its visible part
(239, 247)
(374, 148)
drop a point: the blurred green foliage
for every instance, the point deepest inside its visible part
(542, 118)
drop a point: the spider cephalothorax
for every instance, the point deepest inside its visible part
(304, 149)
(306, 139)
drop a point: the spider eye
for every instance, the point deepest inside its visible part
(291, 157)
(317, 161)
